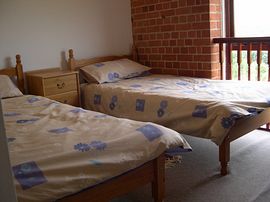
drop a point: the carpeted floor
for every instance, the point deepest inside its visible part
(197, 178)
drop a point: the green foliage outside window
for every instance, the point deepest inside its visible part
(254, 66)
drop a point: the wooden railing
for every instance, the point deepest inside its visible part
(227, 47)
(261, 45)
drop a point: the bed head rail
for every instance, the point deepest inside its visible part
(17, 72)
(75, 65)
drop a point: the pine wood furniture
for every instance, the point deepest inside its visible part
(240, 128)
(16, 71)
(151, 172)
(56, 84)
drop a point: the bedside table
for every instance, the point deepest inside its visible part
(56, 84)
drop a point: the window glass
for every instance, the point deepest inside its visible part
(252, 18)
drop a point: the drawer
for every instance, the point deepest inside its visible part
(60, 84)
(70, 98)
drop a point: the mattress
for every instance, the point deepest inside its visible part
(199, 107)
(57, 150)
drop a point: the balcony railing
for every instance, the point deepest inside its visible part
(245, 58)
(239, 56)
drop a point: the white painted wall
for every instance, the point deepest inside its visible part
(41, 30)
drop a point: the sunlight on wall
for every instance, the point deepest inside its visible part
(252, 18)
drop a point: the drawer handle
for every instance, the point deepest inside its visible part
(61, 85)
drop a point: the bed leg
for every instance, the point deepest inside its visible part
(224, 156)
(158, 184)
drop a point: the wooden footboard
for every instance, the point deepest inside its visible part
(241, 127)
(151, 172)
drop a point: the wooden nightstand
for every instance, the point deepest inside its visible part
(56, 84)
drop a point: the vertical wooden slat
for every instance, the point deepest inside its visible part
(259, 60)
(229, 62)
(221, 59)
(249, 59)
(239, 60)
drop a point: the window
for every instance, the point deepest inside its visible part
(251, 18)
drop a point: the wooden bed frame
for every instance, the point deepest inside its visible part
(16, 71)
(240, 128)
(151, 172)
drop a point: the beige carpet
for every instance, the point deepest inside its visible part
(197, 178)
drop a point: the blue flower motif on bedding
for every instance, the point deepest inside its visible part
(82, 147)
(254, 111)
(235, 116)
(99, 65)
(203, 86)
(97, 99)
(60, 130)
(27, 121)
(113, 75)
(112, 105)
(110, 76)
(11, 139)
(28, 175)
(116, 75)
(160, 112)
(136, 86)
(227, 122)
(140, 105)
(156, 88)
(100, 116)
(200, 111)
(113, 102)
(163, 106)
(12, 114)
(78, 110)
(32, 99)
(150, 132)
(114, 98)
(98, 145)
(182, 83)
(95, 162)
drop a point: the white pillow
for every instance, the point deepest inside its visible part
(112, 71)
(7, 88)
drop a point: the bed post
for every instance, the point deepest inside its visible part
(19, 72)
(71, 60)
(224, 156)
(158, 184)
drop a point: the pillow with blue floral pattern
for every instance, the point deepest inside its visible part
(112, 71)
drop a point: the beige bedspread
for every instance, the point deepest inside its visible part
(199, 107)
(57, 149)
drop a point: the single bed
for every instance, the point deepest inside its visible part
(65, 153)
(218, 110)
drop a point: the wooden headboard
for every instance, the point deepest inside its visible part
(75, 65)
(17, 72)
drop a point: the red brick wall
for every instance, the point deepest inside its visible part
(175, 36)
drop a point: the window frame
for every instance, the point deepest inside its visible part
(229, 18)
